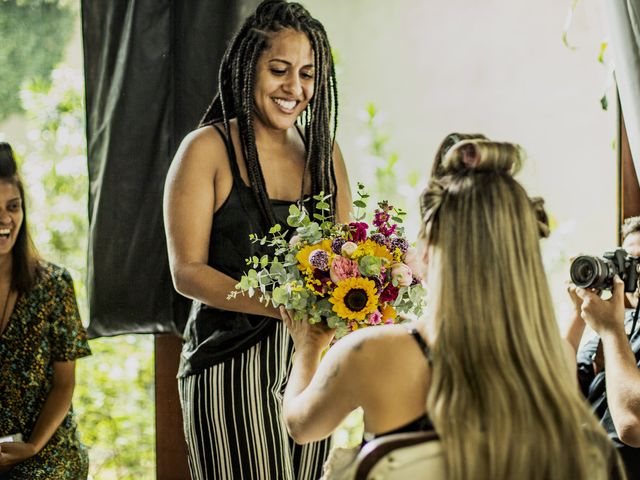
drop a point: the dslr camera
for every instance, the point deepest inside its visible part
(598, 273)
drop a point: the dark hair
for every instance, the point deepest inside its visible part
(235, 97)
(25, 259)
(630, 225)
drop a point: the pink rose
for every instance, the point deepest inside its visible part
(413, 261)
(401, 274)
(343, 268)
(375, 318)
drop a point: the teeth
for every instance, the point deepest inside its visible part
(287, 104)
(5, 231)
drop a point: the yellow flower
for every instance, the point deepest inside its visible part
(388, 313)
(354, 298)
(369, 247)
(382, 251)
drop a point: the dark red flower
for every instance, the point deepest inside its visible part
(358, 231)
(389, 294)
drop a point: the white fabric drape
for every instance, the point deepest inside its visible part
(623, 22)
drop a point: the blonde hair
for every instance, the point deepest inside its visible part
(501, 397)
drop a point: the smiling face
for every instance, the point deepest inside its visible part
(11, 216)
(284, 80)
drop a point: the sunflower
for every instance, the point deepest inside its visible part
(354, 298)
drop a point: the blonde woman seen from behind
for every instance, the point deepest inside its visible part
(486, 367)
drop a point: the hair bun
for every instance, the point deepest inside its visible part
(8, 167)
(483, 155)
(541, 216)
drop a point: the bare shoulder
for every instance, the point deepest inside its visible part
(338, 159)
(373, 342)
(201, 149)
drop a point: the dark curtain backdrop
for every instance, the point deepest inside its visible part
(150, 72)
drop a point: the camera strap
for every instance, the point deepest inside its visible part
(635, 321)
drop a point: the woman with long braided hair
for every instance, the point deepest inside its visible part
(266, 141)
(486, 367)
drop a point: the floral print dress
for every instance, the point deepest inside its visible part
(44, 327)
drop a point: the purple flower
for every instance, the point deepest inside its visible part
(387, 230)
(400, 243)
(336, 245)
(358, 231)
(319, 259)
(380, 218)
(379, 238)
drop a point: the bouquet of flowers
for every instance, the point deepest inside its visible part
(347, 275)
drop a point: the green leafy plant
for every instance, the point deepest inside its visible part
(34, 34)
(114, 387)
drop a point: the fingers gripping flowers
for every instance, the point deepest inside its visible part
(347, 275)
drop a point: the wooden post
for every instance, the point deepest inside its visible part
(171, 447)
(628, 186)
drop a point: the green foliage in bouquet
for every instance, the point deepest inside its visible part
(347, 275)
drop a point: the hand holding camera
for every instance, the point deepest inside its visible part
(616, 271)
(598, 273)
(604, 316)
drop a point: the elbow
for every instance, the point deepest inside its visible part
(297, 430)
(298, 435)
(181, 280)
(629, 431)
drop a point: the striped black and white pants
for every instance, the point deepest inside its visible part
(232, 416)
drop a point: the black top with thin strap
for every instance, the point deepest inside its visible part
(213, 335)
(423, 422)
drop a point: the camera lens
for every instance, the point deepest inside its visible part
(590, 272)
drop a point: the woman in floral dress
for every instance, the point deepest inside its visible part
(41, 336)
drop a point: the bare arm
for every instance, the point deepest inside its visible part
(192, 194)
(575, 329)
(606, 317)
(319, 393)
(53, 412)
(344, 205)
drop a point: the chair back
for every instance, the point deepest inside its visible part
(402, 456)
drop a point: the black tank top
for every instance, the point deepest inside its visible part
(423, 422)
(213, 335)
